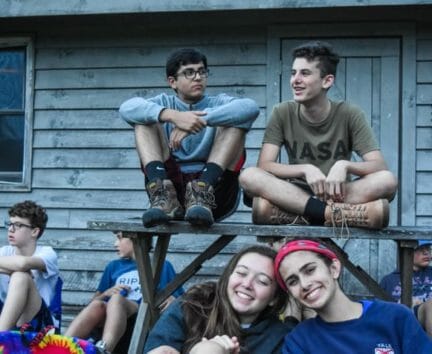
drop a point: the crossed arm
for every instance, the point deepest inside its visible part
(18, 263)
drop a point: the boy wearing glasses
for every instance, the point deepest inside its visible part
(191, 145)
(29, 272)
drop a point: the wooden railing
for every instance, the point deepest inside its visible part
(149, 270)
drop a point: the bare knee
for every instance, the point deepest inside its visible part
(425, 316)
(96, 307)
(250, 180)
(116, 300)
(20, 279)
(389, 184)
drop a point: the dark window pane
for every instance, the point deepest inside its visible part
(11, 143)
(12, 69)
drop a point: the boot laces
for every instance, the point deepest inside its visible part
(339, 221)
(203, 195)
(278, 216)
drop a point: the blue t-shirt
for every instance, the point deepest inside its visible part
(124, 271)
(421, 285)
(383, 328)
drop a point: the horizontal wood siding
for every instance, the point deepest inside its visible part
(85, 166)
(424, 129)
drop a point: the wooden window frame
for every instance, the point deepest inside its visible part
(27, 42)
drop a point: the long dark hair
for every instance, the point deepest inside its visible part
(208, 312)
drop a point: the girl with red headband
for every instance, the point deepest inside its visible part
(309, 271)
(238, 314)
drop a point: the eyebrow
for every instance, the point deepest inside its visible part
(300, 271)
(259, 273)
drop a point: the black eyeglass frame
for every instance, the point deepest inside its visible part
(16, 225)
(190, 74)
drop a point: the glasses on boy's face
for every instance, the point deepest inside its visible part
(191, 74)
(15, 225)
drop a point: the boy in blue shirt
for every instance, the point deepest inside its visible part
(421, 285)
(190, 145)
(117, 298)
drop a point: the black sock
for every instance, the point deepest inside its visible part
(315, 211)
(211, 173)
(155, 170)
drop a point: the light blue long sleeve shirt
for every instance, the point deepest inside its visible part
(222, 110)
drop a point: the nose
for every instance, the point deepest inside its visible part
(304, 283)
(197, 76)
(247, 282)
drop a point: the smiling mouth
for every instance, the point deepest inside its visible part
(312, 294)
(243, 295)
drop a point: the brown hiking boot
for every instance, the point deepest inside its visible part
(199, 202)
(164, 205)
(371, 215)
(264, 212)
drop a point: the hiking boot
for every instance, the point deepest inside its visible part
(264, 212)
(199, 202)
(371, 215)
(164, 205)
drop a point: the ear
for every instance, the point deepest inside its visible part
(35, 232)
(172, 82)
(328, 81)
(335, 268)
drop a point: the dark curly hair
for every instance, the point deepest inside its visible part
(208, 312)
(327, 58)
(31, 211)
(181, 57)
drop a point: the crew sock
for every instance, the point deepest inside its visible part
(315, 211)
(211, 173)
(155, 170)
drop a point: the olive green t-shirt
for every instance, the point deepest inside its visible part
(321, 144)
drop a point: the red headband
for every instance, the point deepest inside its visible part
(299, 245)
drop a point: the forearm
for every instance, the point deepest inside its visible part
(283, 171)
(239, 113)
(363, 168)
(10, 264)
(140, 111)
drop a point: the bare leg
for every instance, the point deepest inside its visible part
(378, 185)
(226, 151)
(283, 194)
(91, 317)
(151, 143)
(425, 316)
(119, 309)
(227, 147)
(22, 301)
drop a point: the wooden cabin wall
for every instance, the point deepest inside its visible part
(84, 164)
(424, 127)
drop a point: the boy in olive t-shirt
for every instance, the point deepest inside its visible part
(319, 136)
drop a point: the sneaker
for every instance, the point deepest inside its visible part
(100, 347)
(371, 215)
(264, 212)
(164, 203)
(199, 201)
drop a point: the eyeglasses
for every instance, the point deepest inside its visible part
(15, 225)
(190, 74)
